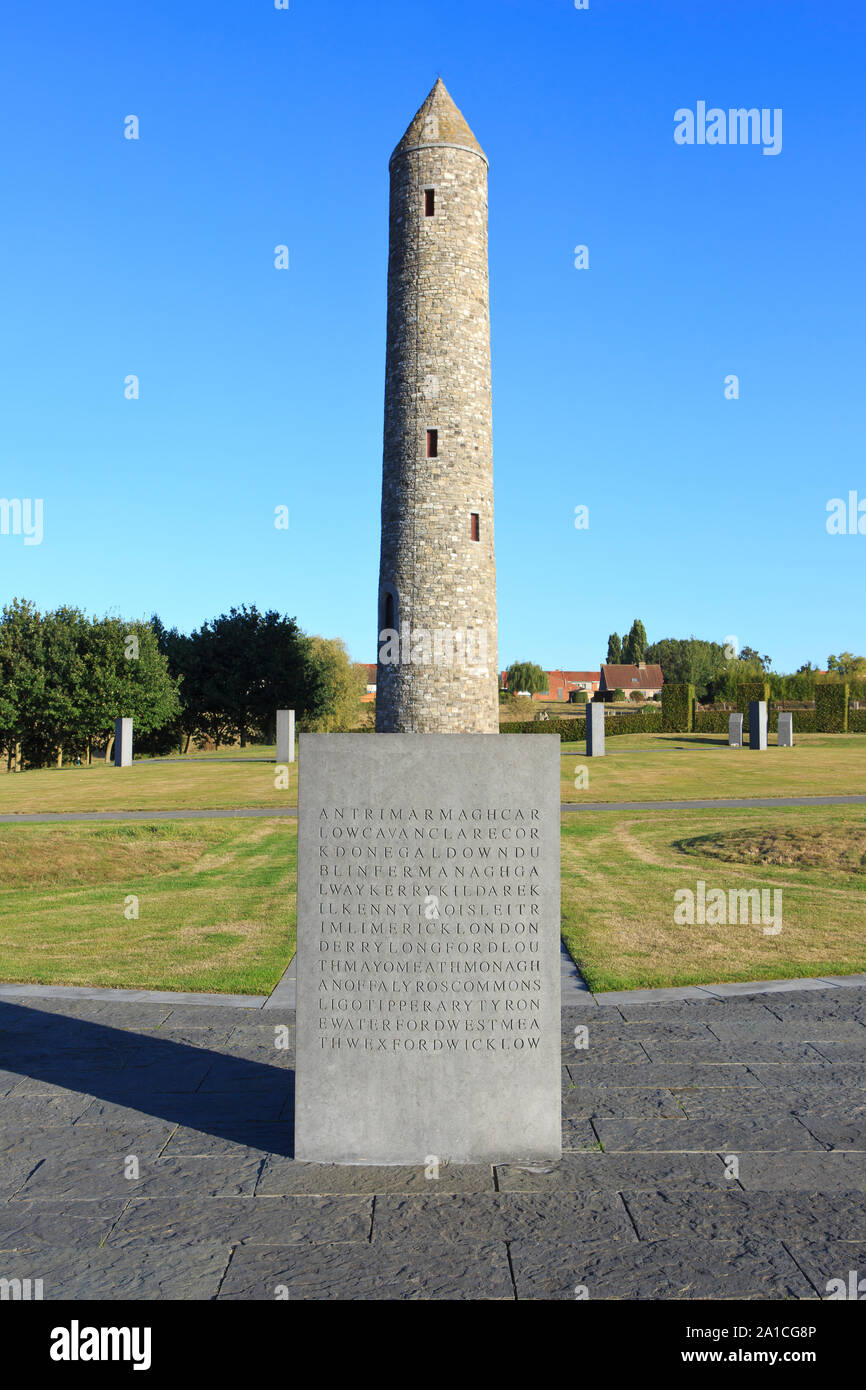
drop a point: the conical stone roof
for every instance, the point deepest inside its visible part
(438, 122)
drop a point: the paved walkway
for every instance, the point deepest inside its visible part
(717, 803)
(59, 817)
(714, 1147)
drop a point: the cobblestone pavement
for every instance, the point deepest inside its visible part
(714, 1149)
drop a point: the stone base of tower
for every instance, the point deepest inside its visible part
(413, 701)
(428, 1008)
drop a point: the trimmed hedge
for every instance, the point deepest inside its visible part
(569, 729)
(678, 709)
(831, 707)
(804, 721)
(712, 721)
(715, 721)
(649, 721)
(645, 721)
(751, 690)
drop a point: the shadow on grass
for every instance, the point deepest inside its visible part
(214, 1092)
(697, 741)
(715, 740)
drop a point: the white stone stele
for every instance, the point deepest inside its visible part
(595, 730)
(425, 1038)
(123, 743)
(285, 735)
(758, 724)
(735, 731)
(785, 738)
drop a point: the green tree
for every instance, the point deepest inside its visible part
(292, 677)
(690, 661)
(239, 668)
(60, 724)
(22, 677)
(753, 659)
(127, 675)
(65, 678)
(340, 685)
(149, 692)
(524, 675)
(614, 649)
(635, 645)
(846, 664)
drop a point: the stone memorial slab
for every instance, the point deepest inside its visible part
(122, 742)
(285, 735)
(757, 724)
(428, 1011)
(735, 731)
(595, 730)
(785, 737)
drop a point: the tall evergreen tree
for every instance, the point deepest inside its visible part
(635, 644)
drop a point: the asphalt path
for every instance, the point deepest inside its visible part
(252, 812)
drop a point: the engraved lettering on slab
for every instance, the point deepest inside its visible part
(428, 947)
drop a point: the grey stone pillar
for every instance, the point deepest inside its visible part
(122, 742)
(757, 724)
(405, 1093)
(735, 731)
(285, 735)
(786, 730)
(595, 730)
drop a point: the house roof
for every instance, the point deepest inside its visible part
(558, 677)
(632, 677)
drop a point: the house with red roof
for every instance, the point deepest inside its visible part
(369, 671)
(560, 684)
(648, 680)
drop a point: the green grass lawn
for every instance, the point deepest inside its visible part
(196, 783)
(620, 871)
(217, 898)
(673, 767)
(227, 751)
(639, 767)
(216, 904)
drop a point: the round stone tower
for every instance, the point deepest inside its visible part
(437, 659)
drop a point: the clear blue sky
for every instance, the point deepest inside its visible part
(261, 387)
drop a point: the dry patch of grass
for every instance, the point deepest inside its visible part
(49, 857)
(841, 848)
(517, 708)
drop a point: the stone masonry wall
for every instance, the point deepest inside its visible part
(438, 377)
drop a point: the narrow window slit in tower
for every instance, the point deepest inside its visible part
(432, 444)
(429, 202)
(389, 612)
(474, 526)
